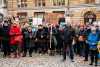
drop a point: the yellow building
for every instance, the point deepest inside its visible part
(51, 10)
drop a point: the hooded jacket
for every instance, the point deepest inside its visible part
(93, 40)
(15, 35)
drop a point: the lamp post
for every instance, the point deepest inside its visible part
(67, 12)
(68, 7)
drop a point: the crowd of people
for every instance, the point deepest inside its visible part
(83, 40)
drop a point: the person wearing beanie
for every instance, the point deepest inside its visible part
(15, 39)
(29, 41)
(5, 39)
(92, 40)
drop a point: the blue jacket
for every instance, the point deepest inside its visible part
(93, 40)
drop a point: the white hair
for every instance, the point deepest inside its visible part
(95, 23)
(93, 28)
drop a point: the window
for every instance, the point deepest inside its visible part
(22, 15)
(22, 3)
(90, 1)
(58, 2)
(5, 1)
(39, 14)
(39, 3)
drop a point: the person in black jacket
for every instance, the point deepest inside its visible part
(5, 39)
(88, 31)
(29, 41)
(68, 38)
(40, 38)
(81, 41)
(45, 39)
(59, 39)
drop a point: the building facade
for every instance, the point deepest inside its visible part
(52, 10)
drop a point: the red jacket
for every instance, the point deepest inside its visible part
(15, 35)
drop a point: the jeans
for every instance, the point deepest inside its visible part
(68, 47)
(71, 52)
(81, 48)
(86, 51)
(94, 56)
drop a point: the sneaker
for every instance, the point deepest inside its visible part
(96, 65)
(91, 64)
(30, 55)
(72, 61)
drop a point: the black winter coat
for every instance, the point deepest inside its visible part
(68, 35)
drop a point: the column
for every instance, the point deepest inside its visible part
(1, 2)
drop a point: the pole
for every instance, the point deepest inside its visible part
(51, 37)
(68, 7)
(67, 12)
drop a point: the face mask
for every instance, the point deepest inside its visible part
(93, 31)
(30, 30)
(5, 24)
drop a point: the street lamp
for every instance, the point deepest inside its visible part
(67, 12)
(67, 9)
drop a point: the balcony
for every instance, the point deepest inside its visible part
(58, 7)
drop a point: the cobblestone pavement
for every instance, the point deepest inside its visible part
(42, 61)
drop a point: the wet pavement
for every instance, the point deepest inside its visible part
(43, 61)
